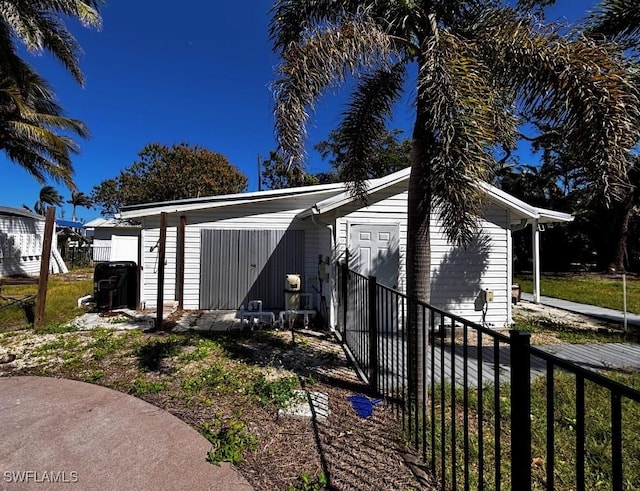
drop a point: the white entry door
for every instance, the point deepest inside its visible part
(374, 250)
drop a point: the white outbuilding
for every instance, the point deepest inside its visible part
(223, 251)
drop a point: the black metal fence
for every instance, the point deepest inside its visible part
(100, 254)
(486, 410)
(84, 256)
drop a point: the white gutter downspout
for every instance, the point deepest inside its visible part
(536, 261)
(332, 280)
(332, 283)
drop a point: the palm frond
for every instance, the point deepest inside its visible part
(469, 118)
(616, 19)
(291, 20)
(578, 85)
(39, 26)
(364, 124)
(321, 61)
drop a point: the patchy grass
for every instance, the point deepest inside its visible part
(230, 439)
(551, 330)
(228, 386)
(601, 290)
(62, 295)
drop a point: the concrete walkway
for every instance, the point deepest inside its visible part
(604, 314)
(64, 434)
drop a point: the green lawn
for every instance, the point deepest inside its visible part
(63, 292)
(597, 435)
(600, 290)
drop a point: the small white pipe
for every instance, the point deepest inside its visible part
(84, 299)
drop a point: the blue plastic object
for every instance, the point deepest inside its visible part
(363, 405)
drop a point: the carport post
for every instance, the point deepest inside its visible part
(162, 248)
(181, 248)
(535, 250)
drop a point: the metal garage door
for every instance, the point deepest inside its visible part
(241, 265)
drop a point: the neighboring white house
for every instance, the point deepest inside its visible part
(113, 239)
(240, 247)
(21, 241)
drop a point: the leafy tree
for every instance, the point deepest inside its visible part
(39, 26)
(387, 154)
(165, 173)
(34, 133)
(48, 196)
(275, 174)
(78, 198)
(481, 67)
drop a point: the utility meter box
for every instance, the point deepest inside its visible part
(293, 283)
(486, 295)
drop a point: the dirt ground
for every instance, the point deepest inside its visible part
(342, 451)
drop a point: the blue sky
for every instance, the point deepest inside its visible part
(193, 71)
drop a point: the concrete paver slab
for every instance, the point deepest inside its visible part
(58, 433)
(602, 313)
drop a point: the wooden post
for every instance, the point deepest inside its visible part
(45, 258)
(162, 249)
(181, 248)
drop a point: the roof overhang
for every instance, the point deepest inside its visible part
(181, 206)
(521, 213)
(374, 186)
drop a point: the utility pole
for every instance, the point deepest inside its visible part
(259, 173)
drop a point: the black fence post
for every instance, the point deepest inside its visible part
(520, 410)
(344, 274)
(373, 333)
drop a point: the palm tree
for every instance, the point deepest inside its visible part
(477, 70)
(78, 198)
(617, 19)
(38, 25)
(48, 196)
(34, 133)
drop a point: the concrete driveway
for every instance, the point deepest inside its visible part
(64, 434)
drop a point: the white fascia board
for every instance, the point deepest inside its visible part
(344, 198)
(551, 216)
(529, 212)
(522, 209)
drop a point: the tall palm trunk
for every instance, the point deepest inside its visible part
(419, 249)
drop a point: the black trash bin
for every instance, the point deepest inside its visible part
(115, 285)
